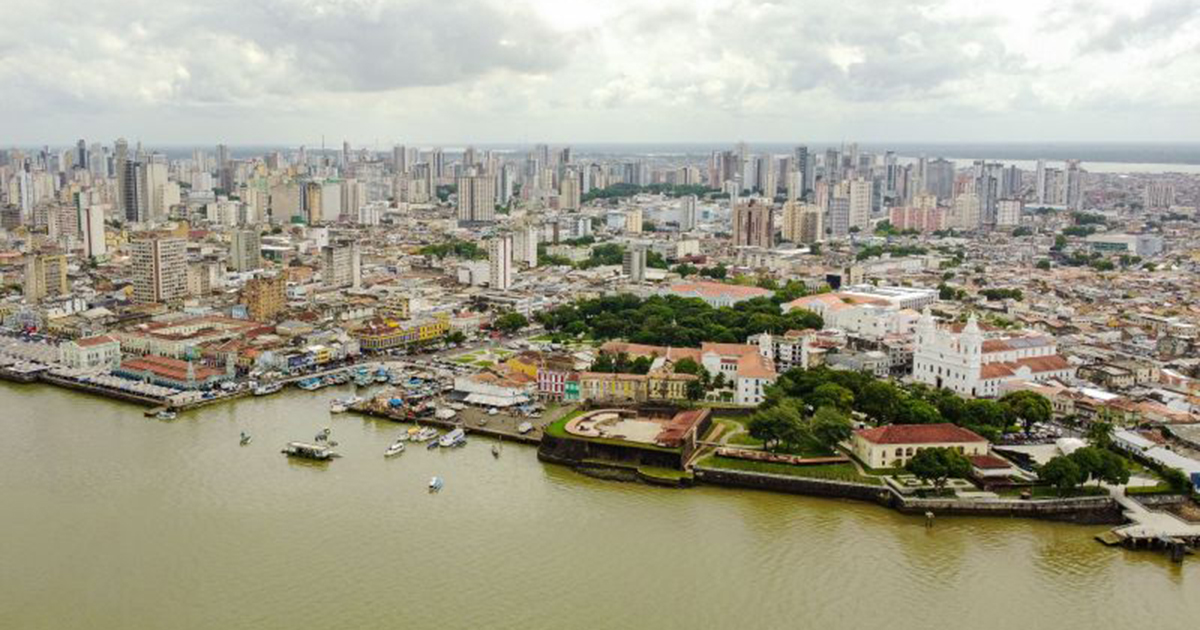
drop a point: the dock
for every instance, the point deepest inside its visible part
(533, 438)
(1153, 529)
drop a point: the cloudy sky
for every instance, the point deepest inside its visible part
(453, 71)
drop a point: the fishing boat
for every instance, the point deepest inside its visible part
(166, 414)
(453, 439)
(396, 448)
(309, 451)
(245, 438)
(495, 450)
(267, 389)
(323, 435)
(337, 406)
(433, 444)
(436, 484)
(310, 384)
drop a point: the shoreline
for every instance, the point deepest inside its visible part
(1077, 510)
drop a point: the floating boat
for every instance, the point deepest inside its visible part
(323, 435)
(337, 406)
(310, 384)
(436, 484)
(495, 450)
(396, 448)
(432, 445)
(166, 414)
(453, 439)
(245, 438)
(524, 427)
(425, 434)
(267, 389)
(309, 451)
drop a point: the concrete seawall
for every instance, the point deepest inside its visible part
(1083, 510)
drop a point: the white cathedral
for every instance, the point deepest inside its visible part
(975, 363)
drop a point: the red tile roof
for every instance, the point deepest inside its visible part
(941, 433)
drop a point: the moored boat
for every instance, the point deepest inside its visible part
(267, 389)
(453, 439)
(436, 484)
(396, 448)
(166, 414)
(309, 451)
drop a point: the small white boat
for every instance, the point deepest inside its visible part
(495, 450)
(246, 438)
(457, 437)
(425, 434)
(435, 484)
(337, 406)
(396, 448)
(267, 389)
(166, 414)
(525, 427)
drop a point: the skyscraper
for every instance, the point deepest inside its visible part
(634, 263)
(45, 276)
(860, 195)
(94, 243)
(752, 224)
(159, 268)
(687, 216)
(500, 262)
(476, 198)
(245, 251)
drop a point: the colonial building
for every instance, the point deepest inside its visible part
(92, 353)
(891, 446)
(974, 363)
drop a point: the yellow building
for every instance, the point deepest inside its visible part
(607, 387)
(265, 298)
(385, 334)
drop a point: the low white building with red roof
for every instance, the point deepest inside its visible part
(102, 352)
(891, 446)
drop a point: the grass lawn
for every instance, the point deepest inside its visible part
(1161, 487)
(483, 364)
(831, 472)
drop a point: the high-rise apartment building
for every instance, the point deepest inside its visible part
(525, 246)
(860, 194)
(95, 244)
(245, 251)
(1159, 195)
(687, 213)
(341, 265)
(634, 263)
(752, 225)
(476, 198)
(159, 268)
(45, 276)
(500, 262)
(265, 298)
(568, 191)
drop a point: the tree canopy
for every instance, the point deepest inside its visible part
(673, 320)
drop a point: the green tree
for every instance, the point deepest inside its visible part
(1177, 480)
(917, 411)
(938, 464)
(456, 337)
(830, 427)
(777, 427)
(510, 323)
(1043, 264)
(880, 400)
(1100, 433)
(1062, 473)
(831, 395)
(1027, 407)
(695, 390)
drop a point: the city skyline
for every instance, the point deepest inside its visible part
(286, 71)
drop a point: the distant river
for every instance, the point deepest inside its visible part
(109, 520)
